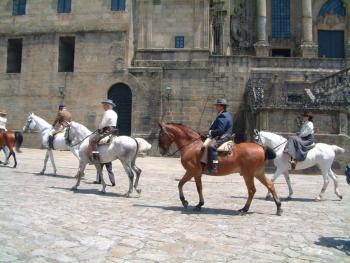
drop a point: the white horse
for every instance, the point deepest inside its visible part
(321, 155)
(36, 123)
(123, 148)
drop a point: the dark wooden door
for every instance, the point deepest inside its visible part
(122, 97)
(331, 44)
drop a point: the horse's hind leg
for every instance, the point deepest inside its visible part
(80, 174)
(52, 161)
(198, 179)
(249, 182)
(183, 180)
(277, 173)
(14, 158)
(270, 186)
(325, 184)
(138, 173)
(45, 162)
(334, 178)
(130, 173)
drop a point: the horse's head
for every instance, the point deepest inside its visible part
(165, 139)
(67, 134)
(30, 123)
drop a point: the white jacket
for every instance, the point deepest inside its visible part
(3, 121)
(306, 129)
(109, 119)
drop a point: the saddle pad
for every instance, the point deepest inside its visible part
(226, 147)
(105, 140)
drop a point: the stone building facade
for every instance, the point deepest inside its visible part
(167, 60)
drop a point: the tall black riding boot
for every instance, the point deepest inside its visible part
(213, 161)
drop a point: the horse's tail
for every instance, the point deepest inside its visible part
(19, 141)
(270, 154)
(137, 151)
(144, 146)
(337, 149)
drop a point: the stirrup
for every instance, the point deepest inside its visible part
(293, 164)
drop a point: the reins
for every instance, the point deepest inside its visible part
(192, 141)
(279, 145)
(73, 145)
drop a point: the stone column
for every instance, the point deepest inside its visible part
(347, 44)
(262, 46)
(343, 123)
(308, 47)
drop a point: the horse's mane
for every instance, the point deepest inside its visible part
(273, 135)
(41, 119)
(186, 129)
(82, 127)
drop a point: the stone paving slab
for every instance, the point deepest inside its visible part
(42, 220)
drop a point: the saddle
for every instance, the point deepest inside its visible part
(309, 147)
(226, 147)
(106, 140)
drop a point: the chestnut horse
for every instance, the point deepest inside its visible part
(11, 139)
(247, 158)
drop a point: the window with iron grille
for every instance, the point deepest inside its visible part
(280, 18)
(117, 5)
(64, 6)
(179, 42)
(14, 55)
(19, 7)
(66, 54)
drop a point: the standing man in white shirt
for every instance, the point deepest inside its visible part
(107, 125)
(3, 121)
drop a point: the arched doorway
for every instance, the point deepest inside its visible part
(331, 23)
(122, 97)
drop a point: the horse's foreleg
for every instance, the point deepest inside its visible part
(271, 188)
(287, 178)
(79, 174)
(183, 180)
(325, 184)
(274, 178)
(334, 178)
(45, 162)
(138, 173)
(249, 182)
(198, 179)
(52, 161)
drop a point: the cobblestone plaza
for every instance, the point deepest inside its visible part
(42, 220)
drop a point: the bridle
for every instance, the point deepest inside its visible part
(69, 142)
(29, 121)
(259, 141)
(172, 137)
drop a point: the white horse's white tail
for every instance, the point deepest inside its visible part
(144, 146)
(337, 149)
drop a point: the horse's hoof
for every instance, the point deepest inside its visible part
(185, 204)
(138, 191)
(288, 198)
(268, 197)
(279, 212)
(318, 198)
(74, 188)
(340, 197)
(103, 191)
(197, 208)
(42, 172)
(243, 211)
(127, 195)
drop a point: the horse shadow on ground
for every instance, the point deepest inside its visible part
(339, 243)
(204, 210)
(286, 199)
(49, 174)
(92, 192)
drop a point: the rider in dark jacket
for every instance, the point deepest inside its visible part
(219, 132)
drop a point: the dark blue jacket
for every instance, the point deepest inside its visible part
(223, 124)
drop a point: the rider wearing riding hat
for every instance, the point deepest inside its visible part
(62, 119)
(3, 121)
(107, 125)
(220, 132)
(297, 146)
